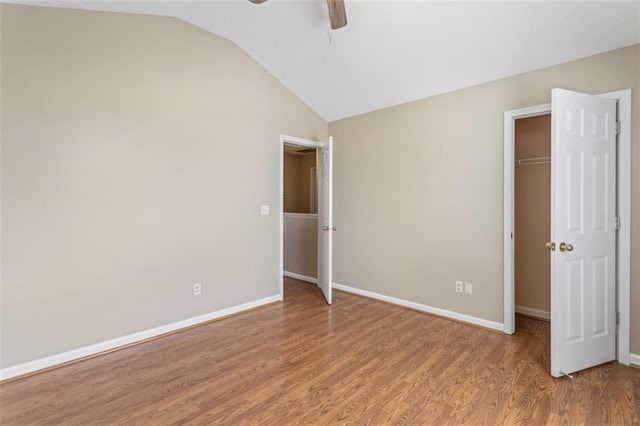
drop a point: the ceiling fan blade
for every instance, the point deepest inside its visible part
(257, 1)
(337, 14)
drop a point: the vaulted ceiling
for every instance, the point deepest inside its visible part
(395, 51)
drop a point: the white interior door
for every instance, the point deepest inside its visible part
(325, 218)
(583, 229)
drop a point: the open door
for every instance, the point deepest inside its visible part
(325, 218)
(583, 231)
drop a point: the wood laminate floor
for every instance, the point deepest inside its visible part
(359, 361)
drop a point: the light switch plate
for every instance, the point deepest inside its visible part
(264, 210)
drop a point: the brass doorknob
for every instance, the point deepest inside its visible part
(334, 228)
(550, 246)
(566, 247)
(325, 228)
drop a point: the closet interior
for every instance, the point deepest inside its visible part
(532, 216)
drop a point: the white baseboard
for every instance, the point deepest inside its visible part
(50, 361)
(635, 359)
(424, 308)
(537, 313)
(300, 277)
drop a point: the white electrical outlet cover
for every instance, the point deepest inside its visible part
(264, 210)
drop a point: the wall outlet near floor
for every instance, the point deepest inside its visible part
(468, 288)
(458, 286)
(197, 289)
(264, 210)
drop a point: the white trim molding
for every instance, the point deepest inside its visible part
(300, 277)
(509, 208)
(536, 313)
(95, 349)
(423, 308)
(634, 359)
(300, 141)
(623, 198)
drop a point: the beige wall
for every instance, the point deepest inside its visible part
(532, 214)
(301, 244)
(297, 182)
(292, 195)
(136, 152)
(418, 187)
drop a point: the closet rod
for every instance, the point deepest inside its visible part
(533, 160)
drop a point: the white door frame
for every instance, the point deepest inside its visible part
(623, 253)
(297, 141)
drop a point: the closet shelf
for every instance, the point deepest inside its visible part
(533, 160)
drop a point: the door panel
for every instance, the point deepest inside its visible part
(600, 296)
(325, 220)
(575, 291)
(583, 218)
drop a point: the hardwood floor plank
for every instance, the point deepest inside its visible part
(358, 361)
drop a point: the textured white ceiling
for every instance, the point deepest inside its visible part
(393, 51)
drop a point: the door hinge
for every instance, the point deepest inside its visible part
(618, 127)
(617, 318)
(617, 223)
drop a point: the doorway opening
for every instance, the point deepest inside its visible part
(622, 211)
(305, 212)
(300, 212)
(532, 216)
